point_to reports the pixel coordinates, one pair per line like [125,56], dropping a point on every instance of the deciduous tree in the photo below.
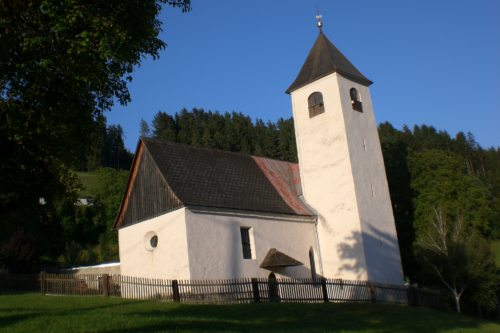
[62,64]
[453,254]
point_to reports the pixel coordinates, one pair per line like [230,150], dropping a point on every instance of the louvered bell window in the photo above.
[316,106]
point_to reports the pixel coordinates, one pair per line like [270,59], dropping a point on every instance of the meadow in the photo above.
[37,313]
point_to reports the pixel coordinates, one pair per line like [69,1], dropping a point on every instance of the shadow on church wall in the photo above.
[381,253]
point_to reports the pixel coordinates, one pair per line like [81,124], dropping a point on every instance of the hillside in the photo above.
[89,182]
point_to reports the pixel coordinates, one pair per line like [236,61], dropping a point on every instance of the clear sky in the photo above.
[434,62]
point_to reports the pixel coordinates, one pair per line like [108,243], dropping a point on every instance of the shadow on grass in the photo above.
[13,319]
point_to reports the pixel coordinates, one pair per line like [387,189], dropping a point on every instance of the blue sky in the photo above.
[434,62]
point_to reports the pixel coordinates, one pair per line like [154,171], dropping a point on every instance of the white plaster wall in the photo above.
[372,191]
[169,260]
[327,182]
[215,250]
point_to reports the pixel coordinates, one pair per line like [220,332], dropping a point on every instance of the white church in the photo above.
[195,213]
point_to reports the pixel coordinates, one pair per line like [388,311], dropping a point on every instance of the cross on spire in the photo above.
[319,17]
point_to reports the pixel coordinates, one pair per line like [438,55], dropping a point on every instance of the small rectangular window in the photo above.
[245,242]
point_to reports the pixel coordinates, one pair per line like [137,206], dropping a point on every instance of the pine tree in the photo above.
[144,130]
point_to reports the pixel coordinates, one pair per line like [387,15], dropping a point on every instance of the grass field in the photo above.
[89,181]
[36,313]
[495,245]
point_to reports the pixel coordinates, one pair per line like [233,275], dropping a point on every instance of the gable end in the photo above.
[148,194]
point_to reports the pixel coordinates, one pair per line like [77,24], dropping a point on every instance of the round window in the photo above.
[150,240]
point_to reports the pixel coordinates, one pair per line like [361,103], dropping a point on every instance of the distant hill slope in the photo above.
[89,182]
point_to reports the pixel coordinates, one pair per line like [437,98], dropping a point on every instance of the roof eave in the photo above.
[363,81]
[131,177]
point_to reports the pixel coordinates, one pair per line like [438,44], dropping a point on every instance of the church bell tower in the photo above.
[342,169]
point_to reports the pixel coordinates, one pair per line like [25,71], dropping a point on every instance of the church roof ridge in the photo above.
[323,59]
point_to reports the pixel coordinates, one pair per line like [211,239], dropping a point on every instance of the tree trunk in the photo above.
[457,301]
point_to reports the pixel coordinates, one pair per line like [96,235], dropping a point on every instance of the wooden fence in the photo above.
[253,290]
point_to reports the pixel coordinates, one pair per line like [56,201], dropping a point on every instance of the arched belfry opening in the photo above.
[356,100]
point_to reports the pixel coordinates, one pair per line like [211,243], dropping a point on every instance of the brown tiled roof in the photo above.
[215,178]
[275,258]
[323,59]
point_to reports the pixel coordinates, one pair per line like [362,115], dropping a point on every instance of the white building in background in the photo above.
[194,213]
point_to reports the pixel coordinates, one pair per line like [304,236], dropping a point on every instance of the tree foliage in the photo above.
[87,234]
[426,169]
[440,178]
[395,151]
[62,64]
[229,131]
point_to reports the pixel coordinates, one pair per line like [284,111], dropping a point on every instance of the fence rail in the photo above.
[253,290]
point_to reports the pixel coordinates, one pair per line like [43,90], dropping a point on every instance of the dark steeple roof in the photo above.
[323,59]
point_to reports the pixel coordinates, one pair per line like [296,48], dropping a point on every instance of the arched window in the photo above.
[315,103]
[313,264]
[356,100]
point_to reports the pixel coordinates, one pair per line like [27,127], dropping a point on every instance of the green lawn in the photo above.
[36,313]
[89,181]
[495,245]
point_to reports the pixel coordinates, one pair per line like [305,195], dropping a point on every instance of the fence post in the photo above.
[255,290]
[373,296]
[42,282]
[274,290]
[175,291]
[105,284]
[325,291]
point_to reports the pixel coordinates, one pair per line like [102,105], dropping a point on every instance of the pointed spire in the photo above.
[324,59]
